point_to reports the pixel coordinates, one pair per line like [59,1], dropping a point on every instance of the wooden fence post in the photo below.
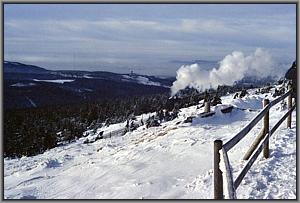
[266,128]
[207,106]
[260,136]
[289,118]
[254,145]
[218,179]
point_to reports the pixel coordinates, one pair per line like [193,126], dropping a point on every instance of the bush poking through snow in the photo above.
[240,94]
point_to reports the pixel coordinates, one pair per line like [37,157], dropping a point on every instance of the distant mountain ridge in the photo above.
[32,86]
[16,70]
[199,61]
[16,67]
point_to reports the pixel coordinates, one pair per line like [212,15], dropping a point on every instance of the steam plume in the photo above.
[233,67]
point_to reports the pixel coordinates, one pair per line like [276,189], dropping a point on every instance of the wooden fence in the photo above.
[260,144]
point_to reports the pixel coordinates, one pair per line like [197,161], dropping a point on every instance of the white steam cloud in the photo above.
[232,68]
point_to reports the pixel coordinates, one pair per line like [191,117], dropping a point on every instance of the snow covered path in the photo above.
[171,161]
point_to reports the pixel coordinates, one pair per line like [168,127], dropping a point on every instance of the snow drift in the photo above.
[233,67]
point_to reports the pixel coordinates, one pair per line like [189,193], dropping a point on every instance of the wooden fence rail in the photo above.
[260,144]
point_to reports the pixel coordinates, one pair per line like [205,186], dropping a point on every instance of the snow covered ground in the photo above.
[141,80]
[19,84]
[61,81]
[172,161]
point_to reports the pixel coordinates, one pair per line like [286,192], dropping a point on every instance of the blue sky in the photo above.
[145,38]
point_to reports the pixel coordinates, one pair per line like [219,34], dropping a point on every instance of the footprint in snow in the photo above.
[52,163]
[68,157]
[206,127]
[148,149]
[28,182]
[28,197]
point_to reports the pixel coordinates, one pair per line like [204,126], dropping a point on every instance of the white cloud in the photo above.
[240,27]
[155,39]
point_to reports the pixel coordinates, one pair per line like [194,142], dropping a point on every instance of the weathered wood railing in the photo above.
[265,135]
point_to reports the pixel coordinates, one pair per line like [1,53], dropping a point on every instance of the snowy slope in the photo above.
[171,161]
[54,81]
[141,80]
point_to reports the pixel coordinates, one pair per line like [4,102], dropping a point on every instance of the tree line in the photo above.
[32,131]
